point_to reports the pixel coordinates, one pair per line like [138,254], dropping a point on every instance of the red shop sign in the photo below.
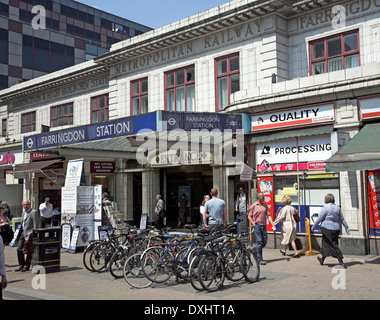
[102,167]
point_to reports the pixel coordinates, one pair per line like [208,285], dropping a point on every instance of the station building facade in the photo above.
[298,80]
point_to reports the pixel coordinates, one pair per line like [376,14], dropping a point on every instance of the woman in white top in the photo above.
[289,226]
[202,209]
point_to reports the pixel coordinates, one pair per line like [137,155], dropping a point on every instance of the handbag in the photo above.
[7,234]
[28,247]
[296,216]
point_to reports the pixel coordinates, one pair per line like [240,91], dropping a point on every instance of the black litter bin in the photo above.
[47,249]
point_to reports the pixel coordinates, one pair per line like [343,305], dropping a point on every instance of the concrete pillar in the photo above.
[150,189]
[124,194]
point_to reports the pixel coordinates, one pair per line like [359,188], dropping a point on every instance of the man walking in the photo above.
[29,222]
[217,210]
[46,211]
[160,211]
[257,216]
[241,204]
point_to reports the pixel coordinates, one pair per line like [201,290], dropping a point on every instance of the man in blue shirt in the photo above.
[217,210]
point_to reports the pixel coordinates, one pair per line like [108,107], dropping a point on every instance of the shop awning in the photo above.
[362,152]
[264,137]
[36,166]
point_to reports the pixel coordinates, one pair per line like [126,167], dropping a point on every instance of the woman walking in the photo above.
[289,226]
[332,219]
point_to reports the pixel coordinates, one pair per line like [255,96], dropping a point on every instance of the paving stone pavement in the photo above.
[282,278]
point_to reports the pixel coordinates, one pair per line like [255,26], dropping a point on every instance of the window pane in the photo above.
[180,77]
[135,106]
[190,99]
[190,75]
[57,62]
[101,102]
[234,64]
[180,99]
[53,113]
[170,100]
[27,57]
[41,60]
[102,116]
[144,104]
[335,64]
[144,86]
[319,68]
[222,66]
[3,52]
[170,79]
[351,42]
[135,88]
[222,93]
[71,120]
[94,104]
[352,61]
[319,50]
[95,117]
[334,47]
[71,108]
[54,123]
[234,85]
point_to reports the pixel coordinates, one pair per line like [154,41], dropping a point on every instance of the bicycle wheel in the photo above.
[87,254]
[232,264]
[250,266]
[157,265]
[193,272]
[117,263]
[133,273]
[211,272]
[100,257]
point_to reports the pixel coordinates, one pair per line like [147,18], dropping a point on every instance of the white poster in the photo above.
[246,172]
[69,201]
[74,173]
[97,210]
[86,231]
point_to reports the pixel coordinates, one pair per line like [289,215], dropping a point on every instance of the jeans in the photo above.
[261,240]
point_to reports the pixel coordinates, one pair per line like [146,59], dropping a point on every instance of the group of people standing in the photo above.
[331,219]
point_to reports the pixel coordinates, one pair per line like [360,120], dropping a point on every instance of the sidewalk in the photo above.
[283,277]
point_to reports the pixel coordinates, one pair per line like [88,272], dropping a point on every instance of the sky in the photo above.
[153,13]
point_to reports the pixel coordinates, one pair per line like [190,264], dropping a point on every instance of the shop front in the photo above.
[362,153]
[291,147]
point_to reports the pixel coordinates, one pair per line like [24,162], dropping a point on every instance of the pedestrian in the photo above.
[202,209]
[29,222]
[182,205]
[46,211]
[241,203]
[332,219]
[288,227]
[7,210]
[3,273]
[257,215]
[6,231]
[160,211]
[217,211]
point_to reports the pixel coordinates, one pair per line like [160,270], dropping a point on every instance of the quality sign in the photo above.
[293,118]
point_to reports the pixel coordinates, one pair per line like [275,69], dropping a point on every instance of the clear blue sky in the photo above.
[154,13]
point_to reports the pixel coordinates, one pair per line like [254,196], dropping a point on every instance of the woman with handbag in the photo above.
[332,219]
[289,226]
[6,231]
